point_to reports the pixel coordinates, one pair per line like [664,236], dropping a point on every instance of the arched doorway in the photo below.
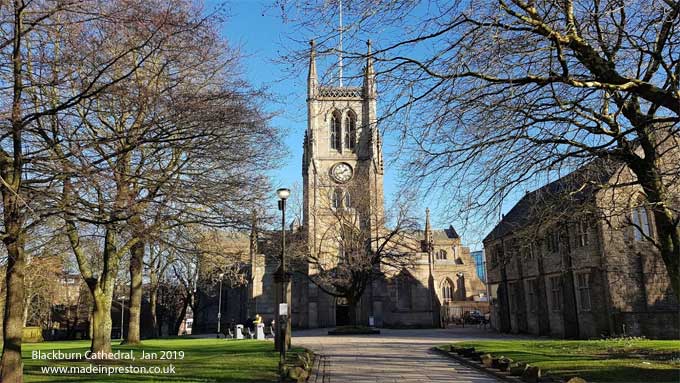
[341,312]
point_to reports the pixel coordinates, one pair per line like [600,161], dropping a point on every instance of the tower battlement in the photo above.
[336,92]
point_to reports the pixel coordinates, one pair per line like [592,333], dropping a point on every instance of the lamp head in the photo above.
[221,275]
[283,193]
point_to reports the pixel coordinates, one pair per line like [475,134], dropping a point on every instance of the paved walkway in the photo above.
[393,356]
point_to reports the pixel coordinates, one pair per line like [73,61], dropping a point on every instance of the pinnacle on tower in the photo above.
[427,240]
[312,81]
[253,233]
[369,74]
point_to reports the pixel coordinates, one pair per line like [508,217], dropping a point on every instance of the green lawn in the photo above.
[205,360]
[612,360]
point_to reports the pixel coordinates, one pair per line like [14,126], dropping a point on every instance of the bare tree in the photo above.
[159,261]
[354,245]
[490,98]
[179,142]
[54,56]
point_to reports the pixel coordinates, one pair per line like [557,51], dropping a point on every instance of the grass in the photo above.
[205,360]
[611,360]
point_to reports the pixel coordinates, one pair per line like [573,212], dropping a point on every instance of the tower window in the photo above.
[341,199]
[348,200]
[441,254]
[350,131]
[336,202]
[336,133]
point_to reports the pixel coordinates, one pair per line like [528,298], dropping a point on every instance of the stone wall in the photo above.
[628,286]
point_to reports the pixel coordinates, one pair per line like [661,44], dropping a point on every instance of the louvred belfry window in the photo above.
[350,131]
[336,133]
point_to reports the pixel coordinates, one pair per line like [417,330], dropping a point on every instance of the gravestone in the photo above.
[259,334]
[239,331]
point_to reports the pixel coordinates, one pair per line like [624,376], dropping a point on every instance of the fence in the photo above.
[462,312]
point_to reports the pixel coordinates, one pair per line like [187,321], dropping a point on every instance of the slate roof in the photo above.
[449,233]
[439,234]
[578,186]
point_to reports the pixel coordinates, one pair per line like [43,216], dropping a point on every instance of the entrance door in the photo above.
[341,313]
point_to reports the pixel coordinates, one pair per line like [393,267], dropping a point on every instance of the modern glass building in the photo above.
[480,262]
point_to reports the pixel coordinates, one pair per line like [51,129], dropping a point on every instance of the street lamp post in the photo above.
[283,194]
[219,308]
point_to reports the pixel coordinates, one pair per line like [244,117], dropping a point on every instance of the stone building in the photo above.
[445,275]
[572,260]
[342,171]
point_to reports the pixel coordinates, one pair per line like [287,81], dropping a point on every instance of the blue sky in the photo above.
[262,36]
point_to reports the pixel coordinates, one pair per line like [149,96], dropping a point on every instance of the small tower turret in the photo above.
[312,80]
[428,240]
[369,74]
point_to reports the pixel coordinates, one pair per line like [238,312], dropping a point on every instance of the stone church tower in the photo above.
[342,171]
[342,168]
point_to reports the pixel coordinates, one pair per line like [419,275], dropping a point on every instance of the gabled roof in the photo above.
[438,234]
[577,187]
[449,233]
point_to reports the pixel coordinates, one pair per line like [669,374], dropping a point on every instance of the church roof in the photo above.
[449,233]
[578,186]
[439,234]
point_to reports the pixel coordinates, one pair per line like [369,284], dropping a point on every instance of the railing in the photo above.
[464,312]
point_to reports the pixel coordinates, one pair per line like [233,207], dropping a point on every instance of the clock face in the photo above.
[341,172]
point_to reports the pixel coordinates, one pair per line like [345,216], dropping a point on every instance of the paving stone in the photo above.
[393,356]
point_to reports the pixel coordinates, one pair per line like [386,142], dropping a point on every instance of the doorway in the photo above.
[341,313]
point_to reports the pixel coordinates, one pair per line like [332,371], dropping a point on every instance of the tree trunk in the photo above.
[101,321]
[27,302]
[135,308]
[11,167]
[153,301]
[12,365]
[178,321]
[668,234]
[667,231]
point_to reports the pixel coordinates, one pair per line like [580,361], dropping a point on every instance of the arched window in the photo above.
[336,132]
[336,202]
[447,291]
[350,131]
[441,254]
[640,219]
[348,200]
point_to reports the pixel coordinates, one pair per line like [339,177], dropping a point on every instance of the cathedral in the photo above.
[342,171]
